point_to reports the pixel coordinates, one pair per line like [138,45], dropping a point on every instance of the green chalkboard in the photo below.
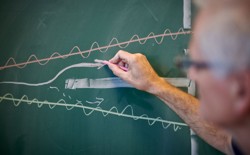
[54,99]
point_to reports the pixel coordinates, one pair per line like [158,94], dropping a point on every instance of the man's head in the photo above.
[222,40]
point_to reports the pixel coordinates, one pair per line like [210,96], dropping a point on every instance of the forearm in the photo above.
[187,107]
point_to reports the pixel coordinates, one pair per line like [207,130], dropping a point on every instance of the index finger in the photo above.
[120,56]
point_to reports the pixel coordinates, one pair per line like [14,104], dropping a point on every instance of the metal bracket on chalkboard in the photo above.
[187,14]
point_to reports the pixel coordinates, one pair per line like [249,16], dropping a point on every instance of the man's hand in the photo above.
[140,74]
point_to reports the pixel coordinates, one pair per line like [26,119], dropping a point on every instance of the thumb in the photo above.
[117,70]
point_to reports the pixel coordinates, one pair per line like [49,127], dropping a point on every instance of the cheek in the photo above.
[215,100]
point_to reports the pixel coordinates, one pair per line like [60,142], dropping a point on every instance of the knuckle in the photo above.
[120,51]
[138,56]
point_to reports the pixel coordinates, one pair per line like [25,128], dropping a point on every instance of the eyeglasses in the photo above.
[184,62]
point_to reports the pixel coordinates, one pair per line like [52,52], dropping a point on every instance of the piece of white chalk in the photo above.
[107,62]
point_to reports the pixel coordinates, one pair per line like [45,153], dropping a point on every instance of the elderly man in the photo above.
[220,65]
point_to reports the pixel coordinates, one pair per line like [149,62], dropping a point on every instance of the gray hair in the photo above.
[225,39]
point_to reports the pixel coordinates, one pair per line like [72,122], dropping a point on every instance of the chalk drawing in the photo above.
[54,88]
[98,102]
[127,112]
[11,62]
[58,74]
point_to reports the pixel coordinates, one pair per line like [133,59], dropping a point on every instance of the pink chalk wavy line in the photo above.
[11,62]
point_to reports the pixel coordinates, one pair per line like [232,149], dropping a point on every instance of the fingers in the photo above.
[120,56]
[121,63]
[140,73]
[117,71]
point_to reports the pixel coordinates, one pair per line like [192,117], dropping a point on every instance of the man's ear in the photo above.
[241,90]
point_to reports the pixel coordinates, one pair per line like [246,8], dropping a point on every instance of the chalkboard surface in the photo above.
[54,99]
